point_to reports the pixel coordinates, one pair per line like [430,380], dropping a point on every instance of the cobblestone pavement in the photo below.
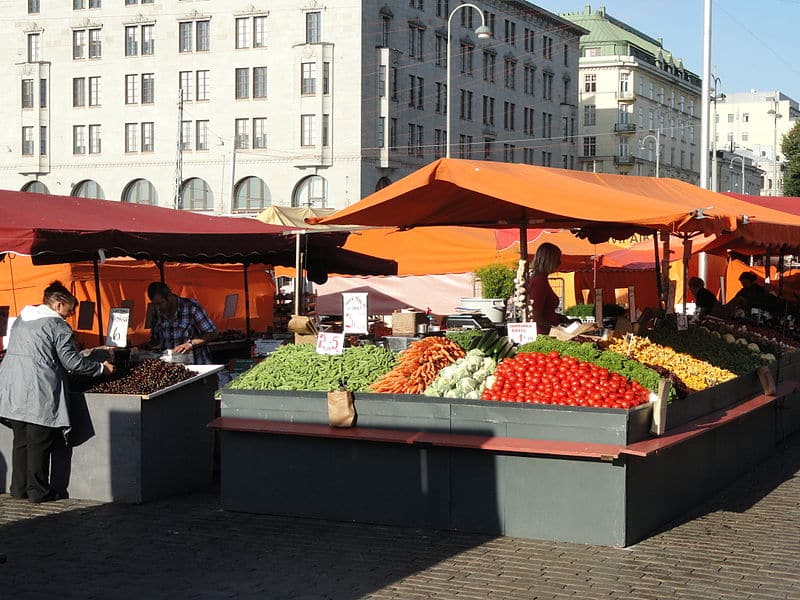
[745,543]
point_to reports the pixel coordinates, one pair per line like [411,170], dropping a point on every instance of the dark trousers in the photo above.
[30,475]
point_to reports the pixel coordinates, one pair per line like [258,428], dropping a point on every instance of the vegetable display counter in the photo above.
[134,448]
[570,473]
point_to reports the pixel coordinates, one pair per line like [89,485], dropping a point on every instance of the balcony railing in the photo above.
[627,96]
[627,159]
[625,127]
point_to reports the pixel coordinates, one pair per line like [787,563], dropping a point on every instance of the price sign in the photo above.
[330,343]
[354,312]
[522,333]
[117,334]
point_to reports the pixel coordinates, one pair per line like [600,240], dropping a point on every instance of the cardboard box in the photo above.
[405,323]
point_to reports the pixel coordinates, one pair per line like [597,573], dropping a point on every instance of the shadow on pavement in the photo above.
[189,548]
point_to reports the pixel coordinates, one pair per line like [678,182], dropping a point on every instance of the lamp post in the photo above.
[657,140]
[775,116]
[714,168]
[482,32]
[739,158]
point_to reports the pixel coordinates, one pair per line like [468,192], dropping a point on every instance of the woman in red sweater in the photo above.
[543,299]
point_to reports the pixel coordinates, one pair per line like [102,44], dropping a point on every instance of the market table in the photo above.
[134,448]
[576,474]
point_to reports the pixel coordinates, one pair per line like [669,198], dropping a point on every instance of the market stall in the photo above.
[560,442]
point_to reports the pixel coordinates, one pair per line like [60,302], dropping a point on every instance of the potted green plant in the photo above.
[497,286]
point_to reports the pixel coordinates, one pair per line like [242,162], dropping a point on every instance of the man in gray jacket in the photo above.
[33,388]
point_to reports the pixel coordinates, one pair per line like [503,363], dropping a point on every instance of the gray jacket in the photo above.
[33,374]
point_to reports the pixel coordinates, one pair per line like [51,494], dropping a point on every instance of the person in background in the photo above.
[705,301]
[34,388]
[541,296]
[180,324]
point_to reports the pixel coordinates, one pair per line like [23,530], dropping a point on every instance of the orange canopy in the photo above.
[493,194]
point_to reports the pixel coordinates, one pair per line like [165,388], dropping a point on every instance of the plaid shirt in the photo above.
[190,322]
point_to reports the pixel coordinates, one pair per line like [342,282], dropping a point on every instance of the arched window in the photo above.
[140,191]
[196,194]
[311,191]
[382,183]
[36,187]
[251,194]
[88,189]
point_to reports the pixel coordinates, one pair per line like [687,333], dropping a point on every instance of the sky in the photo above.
[753,43]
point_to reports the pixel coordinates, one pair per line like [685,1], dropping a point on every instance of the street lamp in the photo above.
[716,96]
[482,32]
[657,140]
[739,158]
[775,116]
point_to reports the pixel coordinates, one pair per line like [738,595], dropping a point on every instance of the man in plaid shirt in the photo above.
[180,324]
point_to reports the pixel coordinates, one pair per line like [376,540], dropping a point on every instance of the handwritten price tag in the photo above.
[522,333]
[117,334]
[330,343]
[354,312]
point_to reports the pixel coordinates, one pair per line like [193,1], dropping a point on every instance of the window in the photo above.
[467,51]
[95,3]
[308,84]
[95,44]
[415,37]
[547,47]
[416,92]
[510,73]
[79,44]
[439,141]
[393,83]
[194,36]
[148,137]
[196,194]
[201,135]
[465,146]
[79,139]
[393,134]
[489,60]
[386,27]
[259,82]
[566,55]
[27,93]
[42,140]
[34,42]
[33,6]
[488,111]
[590,83]
[326,130]
[89,189]
[380,132]
[186,135]
[624,82]
[131,137]
[242,135]
[140,191]
[509,108]
[528,72]
[313,27]
[528,39]
[27,141]
[185,85]
[131,89]
[443,8]
[311,191]
[243,32]
[508,152]
[564,128]
[440,50]
[242,83]
[547,86]
[590,146]
[202,79]
[326,78]
[95,140]
[148,88]
[510,33]
[467,18]
[94,91]
[260,132]
[79,91]
[411,146]
[528,118]
[441,92]
[251,194]
[259,31]
[547,125]
[466,105]
[78,4]
[488,148]
[307,130]
[131,40]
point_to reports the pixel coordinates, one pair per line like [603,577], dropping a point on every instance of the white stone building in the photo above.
[757,121]
[290,102]
[639,104]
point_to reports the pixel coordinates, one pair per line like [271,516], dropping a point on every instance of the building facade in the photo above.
[228,106]
[756,122]
[639,106]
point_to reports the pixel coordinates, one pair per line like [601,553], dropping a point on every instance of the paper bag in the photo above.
[341,409]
